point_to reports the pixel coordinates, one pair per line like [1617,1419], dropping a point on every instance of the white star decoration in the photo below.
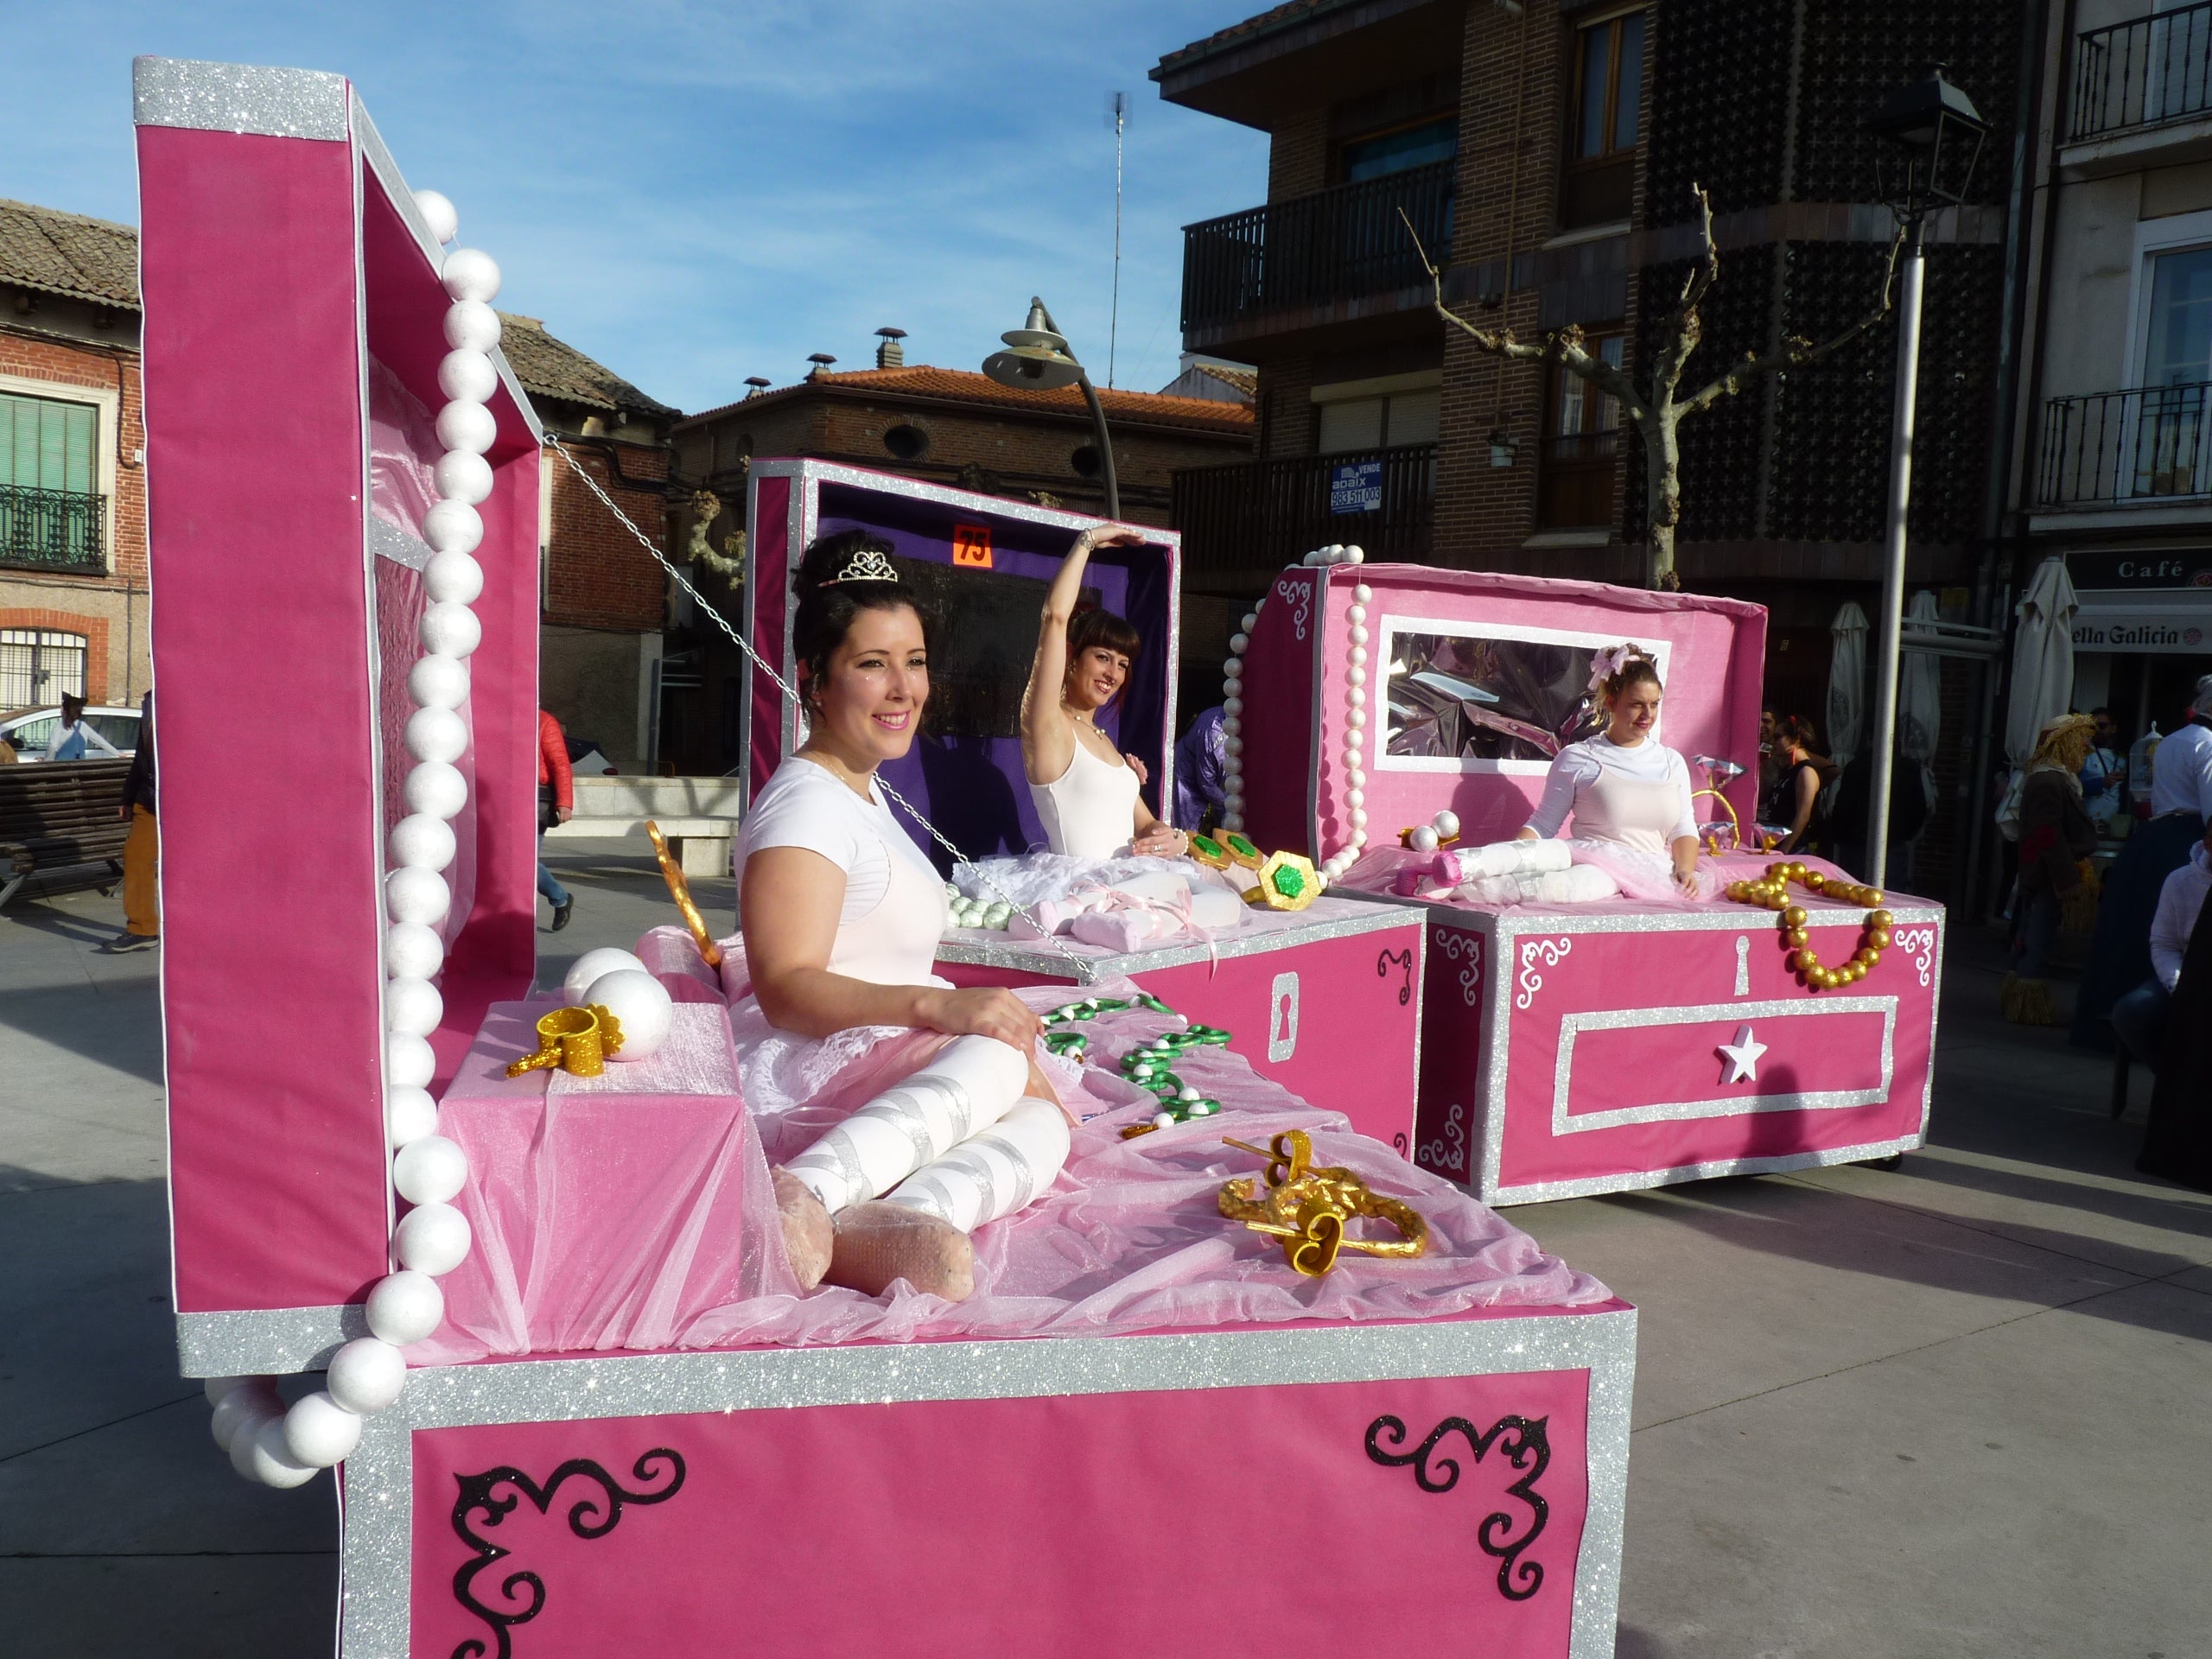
[1743,1056]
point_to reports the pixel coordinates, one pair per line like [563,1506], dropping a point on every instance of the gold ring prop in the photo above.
[577,1041]
[1311,1210]
[680,890]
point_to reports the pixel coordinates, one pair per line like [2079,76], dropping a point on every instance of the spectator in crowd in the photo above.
[2056,834]
[142,851]
[2178,1145]
[1849,816]
[2104,773]
[1789,801]
[556,802]
[2139,1018]
[74,739]
[1201,759]
[1770,751]
[2181,805]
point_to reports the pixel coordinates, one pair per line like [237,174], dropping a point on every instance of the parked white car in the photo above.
[30,730]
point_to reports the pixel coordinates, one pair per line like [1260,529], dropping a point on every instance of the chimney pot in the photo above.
[891,354]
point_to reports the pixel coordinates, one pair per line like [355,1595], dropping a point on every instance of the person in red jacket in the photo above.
[556,801]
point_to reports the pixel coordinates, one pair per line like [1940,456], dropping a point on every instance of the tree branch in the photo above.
[1685,328]
[1796,350]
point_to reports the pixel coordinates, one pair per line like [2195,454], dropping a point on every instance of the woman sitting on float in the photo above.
[841,917]
[1635,830]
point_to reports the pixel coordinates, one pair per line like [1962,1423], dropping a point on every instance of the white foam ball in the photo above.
[405,1306]
[409,1114]
[1355,798]
[1359,664]
[471,274]
[1355,718]
[214,1388]
[1240,643]
[270,1460]
[437,682]
[435,206]
[461,476]
[465,375]
[473,324]
[435,788]
[409,1062]
[1232,706]
[1362,593]
[1233,820]
[430,1170]
[366,1375]
[452,577]
[1231,725]
[454,527]
[413,1006]
[1446,822]
[1251,617]
[319,1432]
[1357,820]
[1233,745]
[412,950]
[450,630]
[467,426]
[436,734]
[422,843]
[595,964]
[1359,635]
[1314,557]
[414,895]
[432,1238]
[1356,697]
[1355,556]
[1424,839]
[243,1408]
[646,1010]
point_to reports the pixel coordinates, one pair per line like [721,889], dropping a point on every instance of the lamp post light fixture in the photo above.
[1037,359]
[1931,137]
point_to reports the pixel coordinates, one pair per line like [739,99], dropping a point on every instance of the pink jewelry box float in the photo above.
[1568,1050]
[1461,1459]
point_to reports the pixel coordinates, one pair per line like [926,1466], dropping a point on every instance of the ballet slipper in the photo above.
[809,1233]
[878,1243]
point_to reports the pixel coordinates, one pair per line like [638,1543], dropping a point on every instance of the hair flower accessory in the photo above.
[1609,661]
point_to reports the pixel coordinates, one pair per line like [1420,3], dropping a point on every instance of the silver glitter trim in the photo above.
[388,541]
[377,1545]
[264,1342]
[1637,1179]
[1717,919]
[1325,919]
[1810,1100]
[238,97]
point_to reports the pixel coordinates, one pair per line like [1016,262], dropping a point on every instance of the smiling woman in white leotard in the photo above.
[1085,792]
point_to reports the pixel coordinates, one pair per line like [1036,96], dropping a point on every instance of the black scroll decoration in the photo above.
[591,1516]
[1401,959]
[1521,1442]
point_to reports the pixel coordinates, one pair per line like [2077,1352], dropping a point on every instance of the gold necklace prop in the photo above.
[680,890]
[577,1041]
[1772,892]
[1309,1208]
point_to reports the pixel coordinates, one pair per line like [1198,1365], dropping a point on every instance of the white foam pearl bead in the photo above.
[412,950]
[1355,556]
[596,963]
[436,734]
[450,630]
[1231,724]
[452,578]
[1359,634]
[468,427]
[413,1006]
[1446,822]
[1362,593]
[1233,820]
[404,1307]
[1357,820]
[1359,654]
[432,1238]
[646,1010]
[268,1459]
[244,1407]
[438,682]
[472,324]
[1251,619]
[422,843]
[1355,778]
[408,1061]
[452,527]
[470,274]
[366,1375]
[319,1432]
[1355,675]
[435,788]
[1355,718]
[409,1114]
[1424,839]
[461,476]
[413,895]
[430,1170]
[215,1390]
[1233,669]
[438,209]
[1355,798]
[1356,697]
[466,376]
[1356,614]
[1240,643]
[1232,706]
[1313,558]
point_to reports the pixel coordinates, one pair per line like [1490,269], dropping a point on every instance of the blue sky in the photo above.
[697,193]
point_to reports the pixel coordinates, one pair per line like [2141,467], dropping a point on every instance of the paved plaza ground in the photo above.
[1961,1408]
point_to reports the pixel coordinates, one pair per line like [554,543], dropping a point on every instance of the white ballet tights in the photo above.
[959,1128]
[1529,872]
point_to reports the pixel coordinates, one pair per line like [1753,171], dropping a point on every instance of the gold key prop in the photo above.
[680,890]
[1310,1210]
[578,1041]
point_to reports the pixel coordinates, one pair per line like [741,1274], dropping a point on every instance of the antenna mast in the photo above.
[1118,112]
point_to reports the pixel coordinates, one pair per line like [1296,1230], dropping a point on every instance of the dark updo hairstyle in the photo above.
[1798,730]
[1101,628]
[828,604]
[1636,669]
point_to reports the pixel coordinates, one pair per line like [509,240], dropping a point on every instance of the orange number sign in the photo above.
[971,546]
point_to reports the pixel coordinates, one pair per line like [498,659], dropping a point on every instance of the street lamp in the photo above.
[1932,136]
[1037,360]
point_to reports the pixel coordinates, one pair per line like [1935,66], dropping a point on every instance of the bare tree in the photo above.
[1656,409]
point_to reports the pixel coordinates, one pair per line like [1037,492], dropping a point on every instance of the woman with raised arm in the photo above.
[1086,792]
[842,917]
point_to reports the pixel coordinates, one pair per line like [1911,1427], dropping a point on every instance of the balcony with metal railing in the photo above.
[1302,259]
[52,530]
[2150,72]
[2145,446]
[1243,524]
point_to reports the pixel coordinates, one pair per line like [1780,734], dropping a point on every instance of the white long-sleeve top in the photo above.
[1579,764]
[2181,772]
[2180,901]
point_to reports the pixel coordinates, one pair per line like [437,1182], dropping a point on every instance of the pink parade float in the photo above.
[1596,1044]
[507,1256]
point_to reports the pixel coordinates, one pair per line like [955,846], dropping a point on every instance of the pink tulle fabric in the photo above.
[635,1222]
[1377,869]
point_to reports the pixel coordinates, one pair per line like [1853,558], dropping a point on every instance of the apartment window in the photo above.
[1389,421]
[1607,113]
[48,444]
[38,666]
[2165,429]
[1394,152]
[1581,447]
[2177,343]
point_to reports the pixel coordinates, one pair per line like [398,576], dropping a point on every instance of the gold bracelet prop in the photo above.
[680,890]
[577,1041]
[1771,892]
[1310,1210]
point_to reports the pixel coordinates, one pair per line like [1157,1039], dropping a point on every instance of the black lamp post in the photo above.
[1037,359]
[1932,136]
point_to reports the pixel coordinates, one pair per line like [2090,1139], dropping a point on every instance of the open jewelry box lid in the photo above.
[981,564]
[1472,682]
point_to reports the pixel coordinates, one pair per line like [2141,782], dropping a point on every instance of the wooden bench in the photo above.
[61,817]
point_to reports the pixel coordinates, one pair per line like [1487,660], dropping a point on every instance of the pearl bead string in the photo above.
[267,1442]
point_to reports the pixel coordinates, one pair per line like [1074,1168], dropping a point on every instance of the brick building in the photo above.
[73,481]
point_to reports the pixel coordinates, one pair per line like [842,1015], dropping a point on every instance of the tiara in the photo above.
[868,565]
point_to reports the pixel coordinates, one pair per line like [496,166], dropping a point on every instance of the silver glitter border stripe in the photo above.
[376,1548]
[264,1342]
[238,97]
[1352,922]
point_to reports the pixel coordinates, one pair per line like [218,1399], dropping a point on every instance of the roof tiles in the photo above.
[966,386]
[66,254]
